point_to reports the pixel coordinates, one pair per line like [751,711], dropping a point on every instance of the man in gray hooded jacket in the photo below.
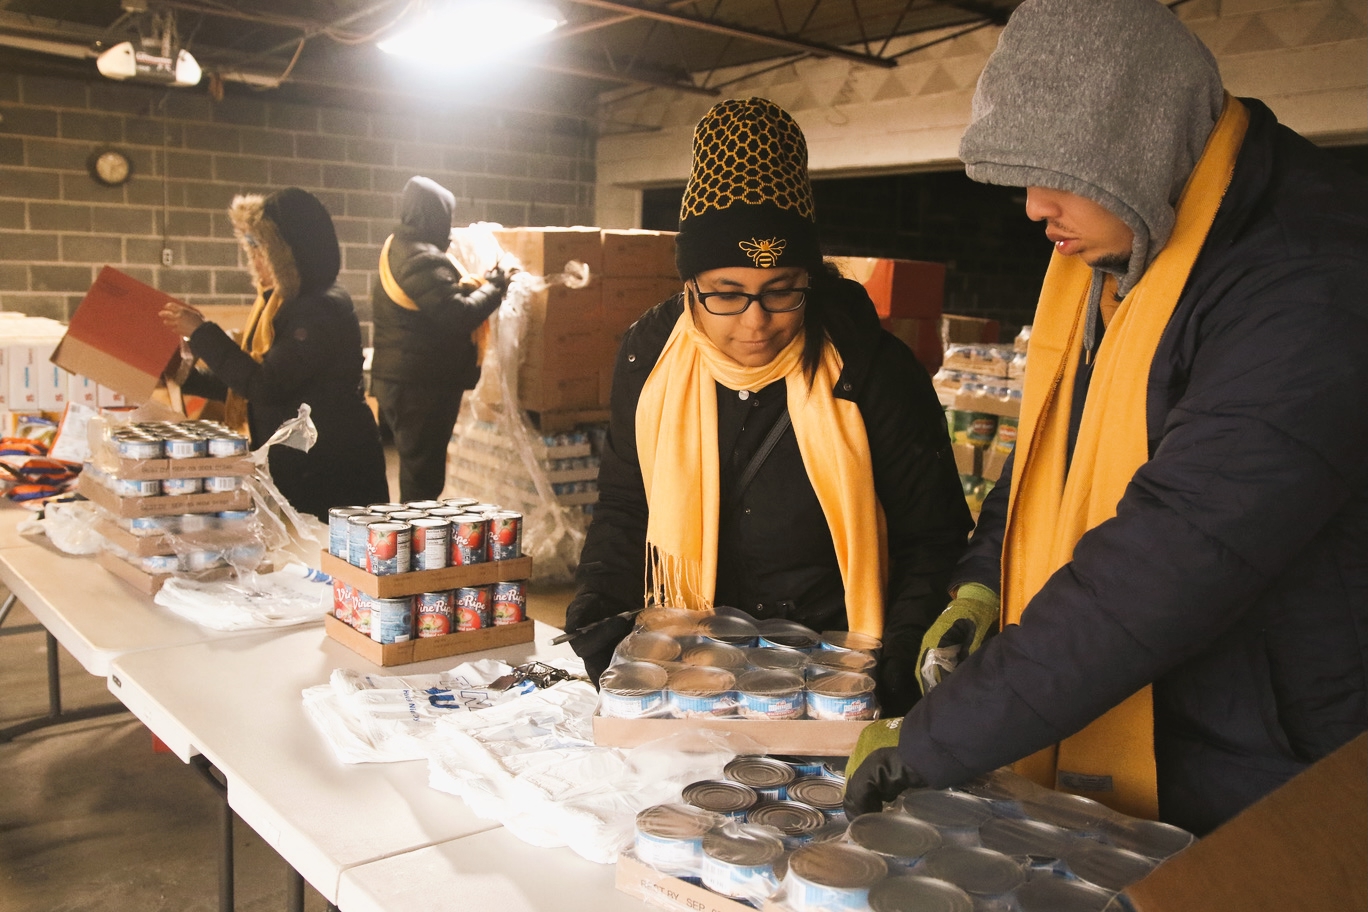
[424,317]
[1228,576]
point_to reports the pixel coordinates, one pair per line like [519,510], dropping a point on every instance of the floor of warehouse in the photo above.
[93,818]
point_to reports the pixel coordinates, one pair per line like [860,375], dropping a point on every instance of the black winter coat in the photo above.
[1235,573]
[430,346]
[776,557]
[314,358]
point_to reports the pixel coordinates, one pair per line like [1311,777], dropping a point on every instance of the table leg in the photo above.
[206,770]
[55,715]
[294,890]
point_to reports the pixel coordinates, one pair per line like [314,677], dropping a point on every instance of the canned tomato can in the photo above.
[473,609]
[459,503]
[423,505]
[185,447]
[385,509]
[436,613]
[795,820]
[766,694]
[721,796]
[129,487]
[468,534]
[391,619]
[431,543]
[505,535]
[226,445]
[483,509]
[345,603]
[509,602]
[702,691]
[826,795]
[841,696]
[406,515]
[357,537]
[832,877]
[222,484]
[364,603]
[631,690]
[739,862]
[669,837]
[899,840]
[173,487]
[337,529]
[388,547]
[767,776]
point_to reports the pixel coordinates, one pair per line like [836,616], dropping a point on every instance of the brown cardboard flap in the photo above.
[401,584]
[425,648]
[1303,848]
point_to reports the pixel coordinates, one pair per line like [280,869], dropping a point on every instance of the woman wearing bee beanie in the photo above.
[771,448]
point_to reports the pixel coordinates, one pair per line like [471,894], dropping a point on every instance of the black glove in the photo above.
[875,772]
[896,677]
[497,277]
[601,632]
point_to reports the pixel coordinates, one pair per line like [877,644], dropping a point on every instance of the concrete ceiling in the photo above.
[324,50]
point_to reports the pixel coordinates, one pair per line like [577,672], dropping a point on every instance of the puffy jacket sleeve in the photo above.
[1262,448]
[430,279]
[982,561]
[917,484]
[299,353]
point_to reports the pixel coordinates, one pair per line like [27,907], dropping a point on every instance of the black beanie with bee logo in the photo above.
[749,200]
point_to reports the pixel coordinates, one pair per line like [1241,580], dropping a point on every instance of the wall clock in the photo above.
[109,166]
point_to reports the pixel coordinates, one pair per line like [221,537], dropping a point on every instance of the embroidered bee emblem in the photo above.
[763,253]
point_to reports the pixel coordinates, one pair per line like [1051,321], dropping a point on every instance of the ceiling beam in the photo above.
[719,28]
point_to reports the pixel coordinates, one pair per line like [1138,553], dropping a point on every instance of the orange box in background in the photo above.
[920,334]
[955,328]
[898,288]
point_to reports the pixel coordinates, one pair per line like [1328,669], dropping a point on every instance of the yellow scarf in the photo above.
[676,432]
[257,336]
[396,294]
[1050,511]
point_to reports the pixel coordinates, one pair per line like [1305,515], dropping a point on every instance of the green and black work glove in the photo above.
[875,773]
[959,631]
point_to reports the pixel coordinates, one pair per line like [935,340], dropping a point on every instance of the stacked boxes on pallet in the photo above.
[908,296]
[172,499]
[486,457]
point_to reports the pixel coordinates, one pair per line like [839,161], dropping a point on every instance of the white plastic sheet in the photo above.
[286,598]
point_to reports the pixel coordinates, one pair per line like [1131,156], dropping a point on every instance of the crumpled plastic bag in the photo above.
[286,598]
[69,525]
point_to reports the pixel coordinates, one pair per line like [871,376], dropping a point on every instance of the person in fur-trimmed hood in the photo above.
[301,344]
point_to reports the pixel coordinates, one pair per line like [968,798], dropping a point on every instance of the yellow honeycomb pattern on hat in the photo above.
[748,152]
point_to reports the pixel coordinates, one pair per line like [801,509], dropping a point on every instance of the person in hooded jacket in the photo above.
[428,313]
[1177,551]
[771,448]
[301,344]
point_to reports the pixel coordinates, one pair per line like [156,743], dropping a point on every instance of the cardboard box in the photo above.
[109,398]
[129,507]
[807,737]
[626,298]
[401,584]
[151,583]
[645,883]
[24,364]
[137,545]
[83,391]
[116,337]
[420,649]
[1302,848]
[898,288]
[639,252]
[988,405]
[955,328]
[545,251]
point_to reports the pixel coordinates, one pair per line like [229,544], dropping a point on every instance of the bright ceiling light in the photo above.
[455,32]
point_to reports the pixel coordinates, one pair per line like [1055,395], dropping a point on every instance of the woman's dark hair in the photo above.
[834,310]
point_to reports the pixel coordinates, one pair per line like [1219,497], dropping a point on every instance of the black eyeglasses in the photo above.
[731,303]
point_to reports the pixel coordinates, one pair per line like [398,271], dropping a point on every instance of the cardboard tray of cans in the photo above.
[645,883]
[162,505]
[193,467]
[420,649]
[151,583]
[417,581]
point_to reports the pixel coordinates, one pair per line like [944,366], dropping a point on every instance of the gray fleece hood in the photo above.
[1112,100]
[425,209]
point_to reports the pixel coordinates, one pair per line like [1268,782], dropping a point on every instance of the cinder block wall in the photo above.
[190,155]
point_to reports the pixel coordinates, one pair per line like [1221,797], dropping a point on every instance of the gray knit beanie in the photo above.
[1110,99]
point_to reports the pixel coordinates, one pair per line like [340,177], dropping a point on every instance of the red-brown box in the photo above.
[898,288]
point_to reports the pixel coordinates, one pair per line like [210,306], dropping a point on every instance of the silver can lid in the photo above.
[841,660]
[720,796]
[744,846]
[675,821]
[1012,836]
[759,772]
[832,864]
[918,894]
[719,655]
[849,639]
[940,808]
[777,658]
[1055,894]
[894,835]
[978,872]
[1107,866]
[633,679]
[821,792]
[701,681]
[841,684]
[788,817]
[649,647]
[769,682]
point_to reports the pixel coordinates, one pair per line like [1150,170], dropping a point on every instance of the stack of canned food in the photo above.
[393,538]
[678,664]
[1000,844]
[166,440]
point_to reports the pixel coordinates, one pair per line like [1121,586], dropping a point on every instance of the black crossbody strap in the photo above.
[766,447]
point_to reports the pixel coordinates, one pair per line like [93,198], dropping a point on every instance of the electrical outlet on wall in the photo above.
[167,256]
